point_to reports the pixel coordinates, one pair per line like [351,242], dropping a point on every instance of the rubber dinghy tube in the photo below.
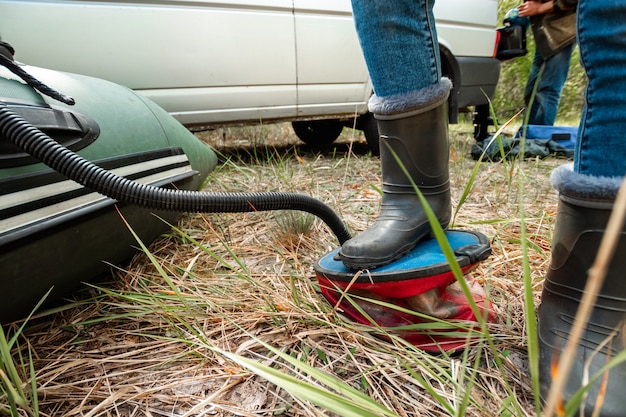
[30,139]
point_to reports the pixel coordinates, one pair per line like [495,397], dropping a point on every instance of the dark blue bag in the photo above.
[564,136]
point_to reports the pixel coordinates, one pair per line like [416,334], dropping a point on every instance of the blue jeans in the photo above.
[545,104]
[399,42]
[601,147]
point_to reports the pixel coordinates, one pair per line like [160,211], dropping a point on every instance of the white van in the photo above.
[219,62]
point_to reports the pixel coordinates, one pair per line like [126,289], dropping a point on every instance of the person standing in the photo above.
[553,23]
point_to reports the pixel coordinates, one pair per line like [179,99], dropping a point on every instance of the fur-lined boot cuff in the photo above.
[413,102]
[583,189]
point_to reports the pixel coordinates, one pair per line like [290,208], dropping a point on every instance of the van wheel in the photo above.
[367,123]
[317,132]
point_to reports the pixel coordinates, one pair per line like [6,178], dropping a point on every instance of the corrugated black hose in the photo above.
[30,139]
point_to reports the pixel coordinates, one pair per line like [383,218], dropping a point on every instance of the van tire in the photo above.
[367,123]
[317,132]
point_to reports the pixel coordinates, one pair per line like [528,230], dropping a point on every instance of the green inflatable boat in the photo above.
[54,232]
[80,156]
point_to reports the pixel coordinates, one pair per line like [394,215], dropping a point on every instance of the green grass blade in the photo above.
[33,382]
[351,403]
[162,272]
[472,178]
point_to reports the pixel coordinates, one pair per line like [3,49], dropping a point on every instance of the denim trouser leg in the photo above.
[399,42]
[545,103]
[601,148]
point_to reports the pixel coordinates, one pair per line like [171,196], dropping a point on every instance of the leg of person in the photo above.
[400,46]
[532,104]
[587,192]
[545,103]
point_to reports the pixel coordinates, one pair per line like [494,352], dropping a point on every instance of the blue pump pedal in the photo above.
[421,281]
[425,260]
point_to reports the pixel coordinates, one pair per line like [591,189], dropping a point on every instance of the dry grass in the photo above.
[140,345]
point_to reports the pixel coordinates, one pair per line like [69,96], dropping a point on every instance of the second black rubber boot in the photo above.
[420,140]
[582,216]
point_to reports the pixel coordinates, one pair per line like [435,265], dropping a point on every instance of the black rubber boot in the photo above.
[420,140]
[580,225]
